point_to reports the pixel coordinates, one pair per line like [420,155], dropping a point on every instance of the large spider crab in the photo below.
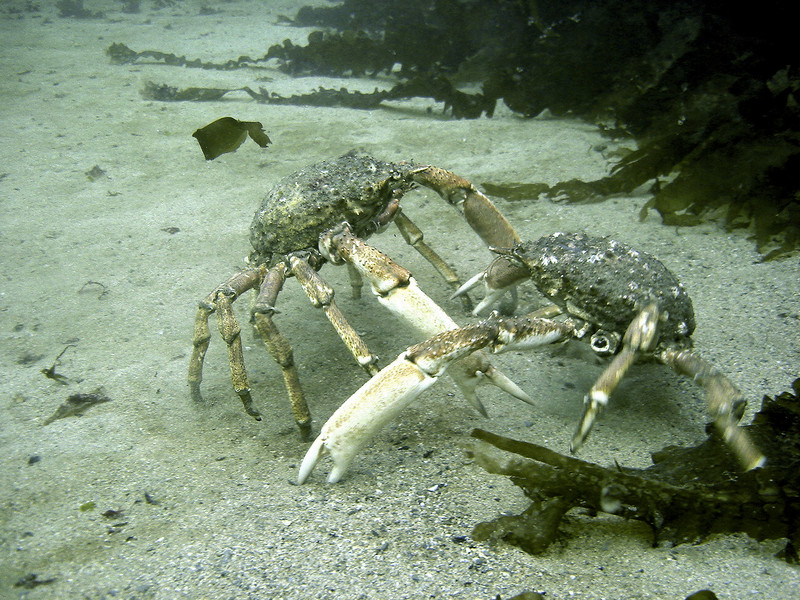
[625,302]
[322,214]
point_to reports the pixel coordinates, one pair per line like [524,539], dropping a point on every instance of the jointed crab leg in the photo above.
[220,300]
[379,400]
[321,296]
[414,237]
[725,402]
[723,398]
[480,212]
[489,223]
[270,282]
[501,275]
[279,347]
[639,337]
[396,289]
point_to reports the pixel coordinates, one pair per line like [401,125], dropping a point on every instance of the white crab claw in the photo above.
[491,295]
[357,421]
[471,283]
[381,398]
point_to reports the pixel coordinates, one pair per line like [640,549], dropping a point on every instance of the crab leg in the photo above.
[724,402]
[396,289]
[480,212]
[381,398]
[278,346]
[639,337]
[723,398]
[415,238]
[489,223]
[500,276]
[321,296]
[220,300]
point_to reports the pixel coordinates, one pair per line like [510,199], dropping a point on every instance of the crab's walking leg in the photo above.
[414,237]
[321,296]
[396,289]
[639,337]
[482,215]
[725,402]
[220,300]
[279,347]
[380,399]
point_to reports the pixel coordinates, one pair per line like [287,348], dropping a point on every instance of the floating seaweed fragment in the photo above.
[227,134]
[77,404]
[50,372]
[75,8]
[31,581]
[686,495]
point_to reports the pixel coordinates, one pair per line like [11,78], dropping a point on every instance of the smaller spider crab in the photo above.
[322,214]
[625,302]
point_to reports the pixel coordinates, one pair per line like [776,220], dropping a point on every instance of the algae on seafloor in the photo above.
[685,496]
[77,404]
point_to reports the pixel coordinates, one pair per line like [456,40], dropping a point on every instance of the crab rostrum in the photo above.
[626,303]
[322,214]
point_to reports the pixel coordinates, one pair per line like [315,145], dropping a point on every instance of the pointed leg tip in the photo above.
[507,385]
[304,427]
[194,392]
[310,460]
[578,440]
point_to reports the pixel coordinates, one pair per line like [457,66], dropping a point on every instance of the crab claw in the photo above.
[472,370]
[500,276]
[382,398]
[365,413]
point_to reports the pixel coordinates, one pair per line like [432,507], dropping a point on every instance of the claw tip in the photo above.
[310,460]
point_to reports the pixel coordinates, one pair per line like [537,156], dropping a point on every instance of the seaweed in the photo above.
[50,372]
[77,404]
[685,496]
[439,89]
[31,581]
[331,53]
[709,91]
[327,53]
[75,8]
[227,134]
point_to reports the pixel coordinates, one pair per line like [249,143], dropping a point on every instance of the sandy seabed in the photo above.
[206,494]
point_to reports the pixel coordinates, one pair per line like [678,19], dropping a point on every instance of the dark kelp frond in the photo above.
[709,91]
[685,496]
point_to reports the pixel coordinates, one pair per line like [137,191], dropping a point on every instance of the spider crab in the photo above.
[322,214]
[626,303]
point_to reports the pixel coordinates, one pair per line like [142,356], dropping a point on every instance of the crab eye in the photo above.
[604,343]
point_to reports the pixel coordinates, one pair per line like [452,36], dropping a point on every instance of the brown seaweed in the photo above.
[709,91]
[77,404]
[120,54]
[31,581]
[685,496]
[50,372]
[462,104]
[227,134]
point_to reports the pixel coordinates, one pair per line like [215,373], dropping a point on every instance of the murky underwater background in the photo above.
[151,496]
